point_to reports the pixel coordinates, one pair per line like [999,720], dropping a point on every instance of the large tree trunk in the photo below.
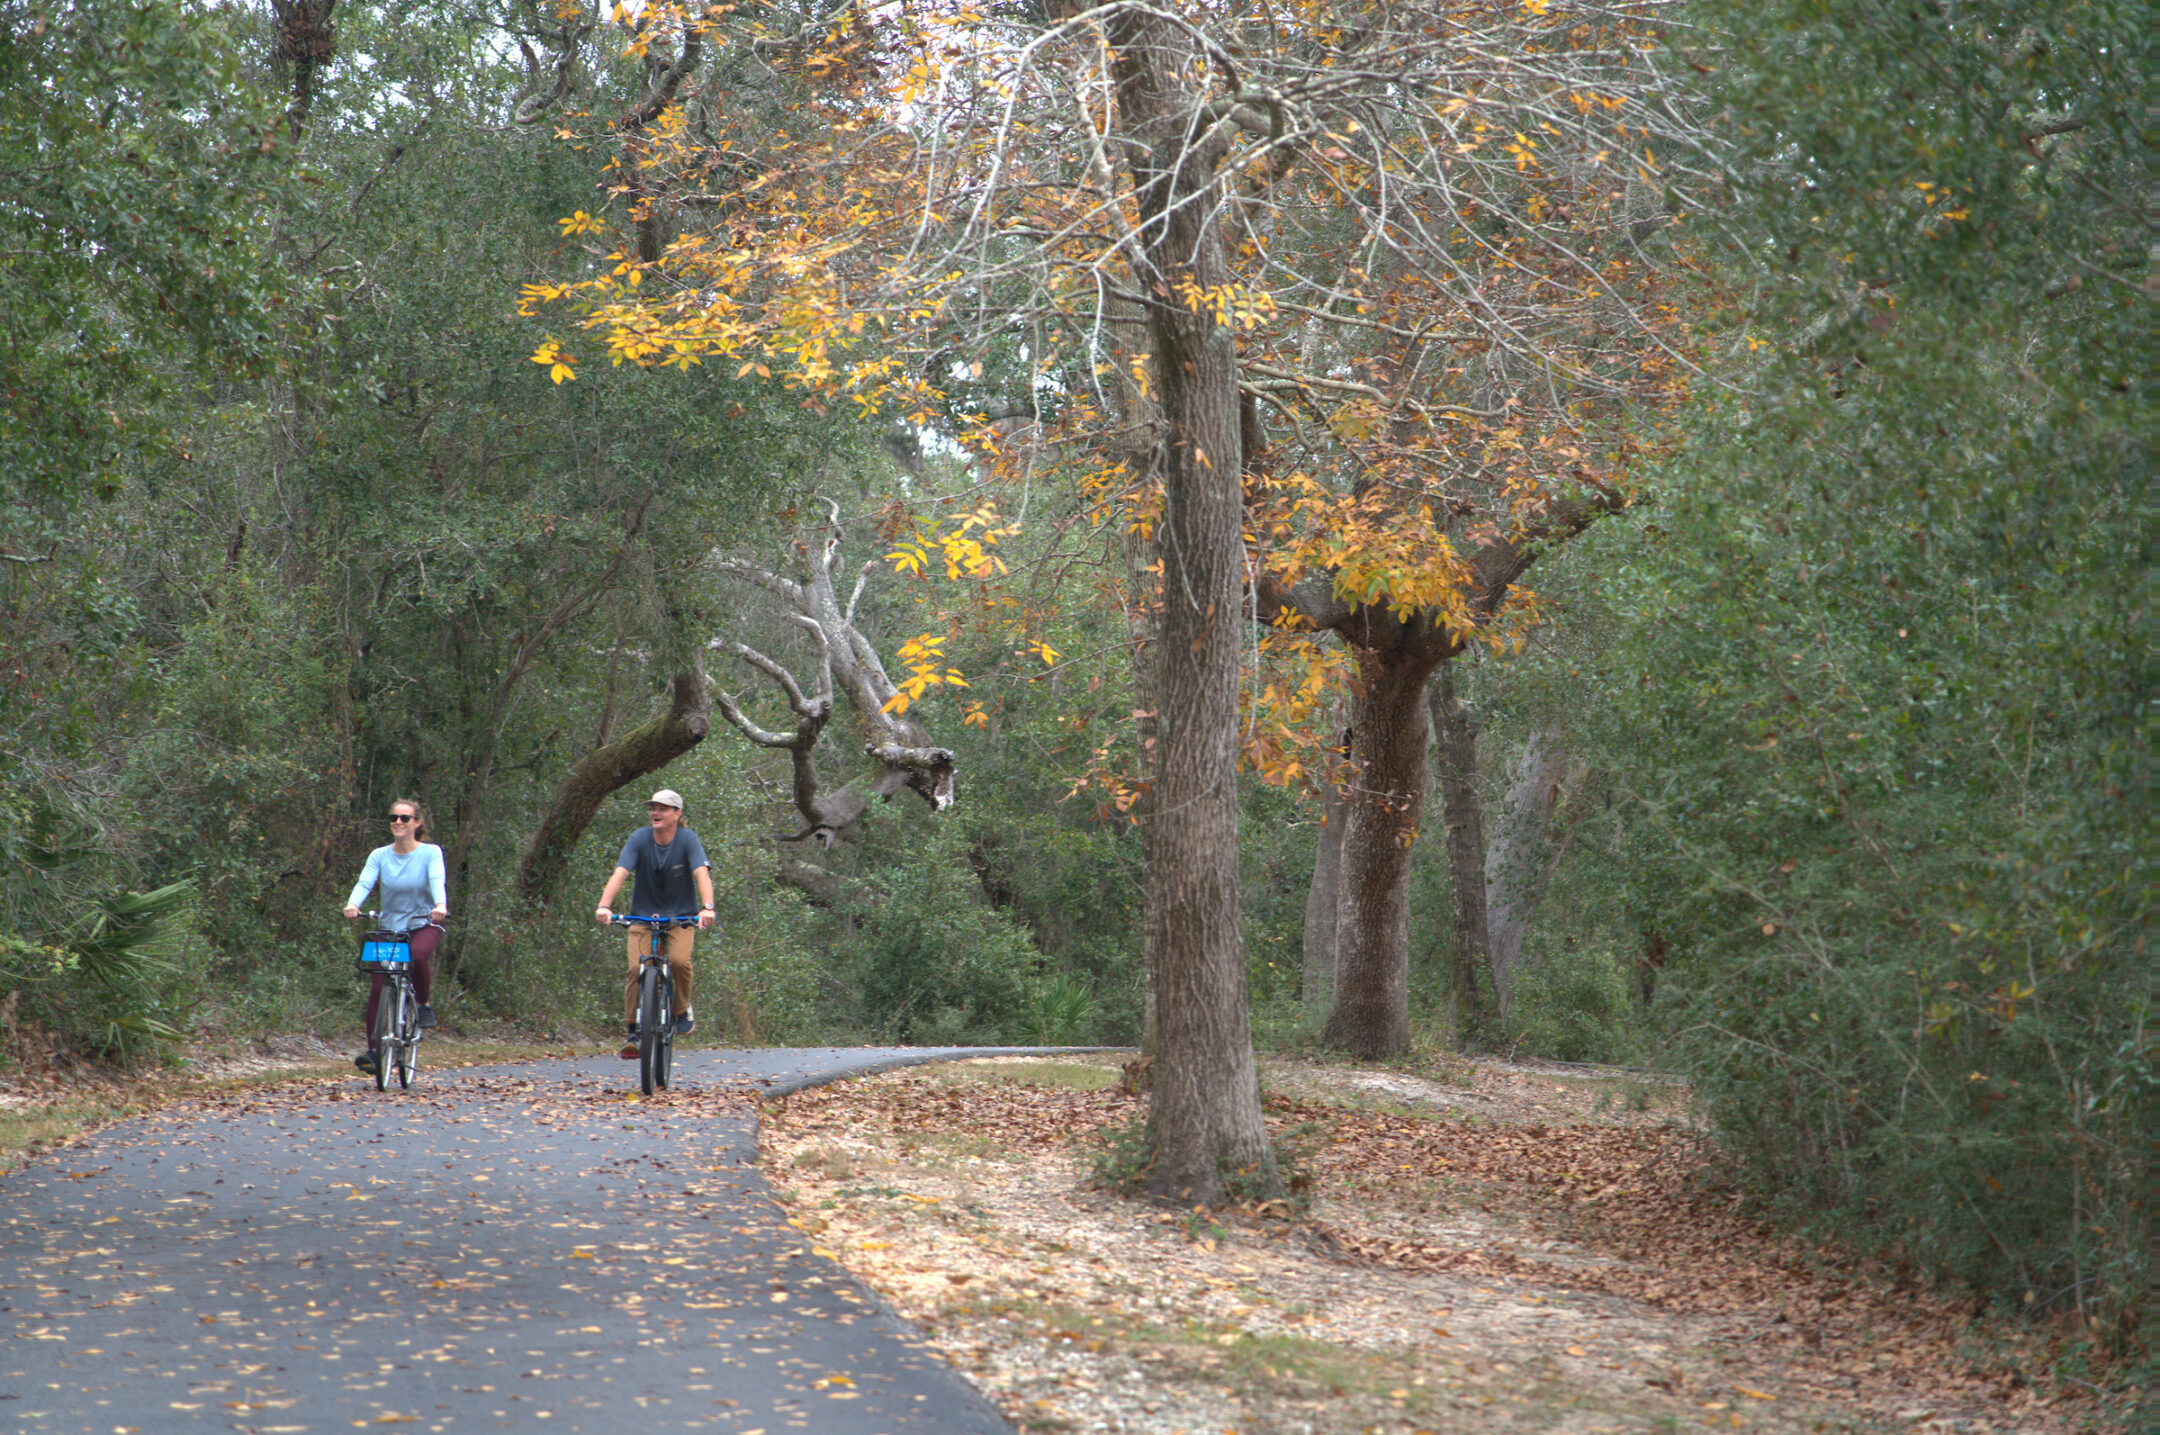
[1204,1121]
[1141,621]
[1371,1017]
[1321,898]
[1466,855]
[305,43]
[645,748]
[1521,858]
[1395,655]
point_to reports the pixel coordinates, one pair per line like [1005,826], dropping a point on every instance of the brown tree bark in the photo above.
[1466,856]
[1371,1015]
[1144,645]
[646,748]
[1204,1120]
[1520,858]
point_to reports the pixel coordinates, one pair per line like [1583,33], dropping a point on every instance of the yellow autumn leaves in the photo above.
[964,551]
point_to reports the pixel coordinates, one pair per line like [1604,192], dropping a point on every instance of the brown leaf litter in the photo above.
[1510,1249]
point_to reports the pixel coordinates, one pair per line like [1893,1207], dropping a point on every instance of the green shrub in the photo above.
[1061,1013]
[932,962]
[1577,1004]
[1874,696]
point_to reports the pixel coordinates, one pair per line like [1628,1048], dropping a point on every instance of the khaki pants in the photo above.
[677,941]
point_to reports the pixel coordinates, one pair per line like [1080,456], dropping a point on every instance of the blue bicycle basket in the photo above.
[385,951]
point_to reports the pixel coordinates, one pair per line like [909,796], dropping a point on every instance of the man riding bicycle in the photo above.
[672,878]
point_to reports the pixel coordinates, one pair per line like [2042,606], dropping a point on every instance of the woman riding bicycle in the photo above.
[407,878]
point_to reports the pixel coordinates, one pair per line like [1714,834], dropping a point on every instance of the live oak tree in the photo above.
[1374,266]
[139,166]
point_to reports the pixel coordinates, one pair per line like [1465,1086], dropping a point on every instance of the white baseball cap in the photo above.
[666,797]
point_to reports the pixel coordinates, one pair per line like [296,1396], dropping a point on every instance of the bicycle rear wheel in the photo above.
[649,1046]
[385,1043]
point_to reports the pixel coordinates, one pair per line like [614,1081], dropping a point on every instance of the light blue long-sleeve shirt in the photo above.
[407,885]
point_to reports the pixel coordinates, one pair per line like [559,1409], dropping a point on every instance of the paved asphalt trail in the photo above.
[517,1247]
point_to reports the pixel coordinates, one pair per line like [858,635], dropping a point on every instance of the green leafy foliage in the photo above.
[138,166]
[1874,688]
[141,175]
[932,962]
[116,977]
[1575,1004]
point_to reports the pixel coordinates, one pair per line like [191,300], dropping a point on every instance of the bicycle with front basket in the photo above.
[397,1032]
[656,1002]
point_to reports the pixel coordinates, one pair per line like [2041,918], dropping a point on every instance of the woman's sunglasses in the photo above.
[403,817]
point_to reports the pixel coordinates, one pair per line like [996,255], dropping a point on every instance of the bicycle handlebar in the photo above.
[619,920]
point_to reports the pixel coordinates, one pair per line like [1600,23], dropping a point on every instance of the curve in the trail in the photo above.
[521,1247]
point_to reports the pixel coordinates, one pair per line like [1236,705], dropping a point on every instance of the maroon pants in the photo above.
[423,976]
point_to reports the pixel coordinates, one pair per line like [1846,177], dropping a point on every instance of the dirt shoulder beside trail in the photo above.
[55,1105]
[1507,1248]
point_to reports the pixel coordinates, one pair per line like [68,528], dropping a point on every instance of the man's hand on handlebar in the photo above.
[604,916]
[705,919]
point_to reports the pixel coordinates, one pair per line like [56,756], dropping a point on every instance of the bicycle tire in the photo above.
[408,1035]
[384,1042]
[649,1010]
[664,1058]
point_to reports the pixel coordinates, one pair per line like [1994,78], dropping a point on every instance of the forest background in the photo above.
[1814,773]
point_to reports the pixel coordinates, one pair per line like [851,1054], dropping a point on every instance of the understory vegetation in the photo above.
[1834,741]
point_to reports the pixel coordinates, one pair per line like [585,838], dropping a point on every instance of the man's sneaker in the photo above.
[366,1062]
[685,1023]
[427,1016]
[629,1053]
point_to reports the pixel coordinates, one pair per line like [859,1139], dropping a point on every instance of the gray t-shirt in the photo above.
[663,885]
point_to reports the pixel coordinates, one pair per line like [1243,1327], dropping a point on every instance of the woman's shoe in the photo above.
[366,1061]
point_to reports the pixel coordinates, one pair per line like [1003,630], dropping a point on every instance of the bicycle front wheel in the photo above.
[408,1036]
[650,1049]
[385,1042]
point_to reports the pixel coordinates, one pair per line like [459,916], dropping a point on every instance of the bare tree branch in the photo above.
[848,665]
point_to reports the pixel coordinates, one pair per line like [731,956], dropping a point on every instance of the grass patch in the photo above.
[950,1146]
[1273,1370]
[30,1131]
[1051,1075]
